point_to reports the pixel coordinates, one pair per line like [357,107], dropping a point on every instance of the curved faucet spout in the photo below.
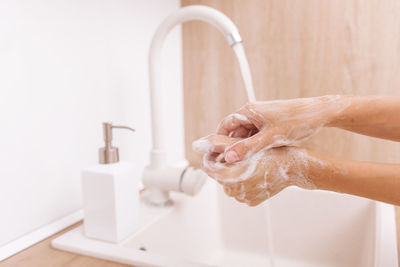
[203,13]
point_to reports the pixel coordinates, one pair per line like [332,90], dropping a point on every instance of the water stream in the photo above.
[248,83]
[245,69]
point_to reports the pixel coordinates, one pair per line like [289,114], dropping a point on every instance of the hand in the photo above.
[262,175]
[214,143]
[278,123]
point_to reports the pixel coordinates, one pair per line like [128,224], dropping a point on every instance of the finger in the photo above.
[222,172]
[213,168]
[232,189]
[241,199]
[255,202]
[228,191]
[221,158]
[209,162]
[213,143]
[233,122]
[220,142]
[240,132]
[255,143]
[252,132]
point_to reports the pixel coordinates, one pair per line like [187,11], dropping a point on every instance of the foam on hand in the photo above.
[202,145]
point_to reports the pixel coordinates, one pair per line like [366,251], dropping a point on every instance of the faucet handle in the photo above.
[109,154]
[192,181]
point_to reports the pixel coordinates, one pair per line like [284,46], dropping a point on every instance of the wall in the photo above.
[66,66]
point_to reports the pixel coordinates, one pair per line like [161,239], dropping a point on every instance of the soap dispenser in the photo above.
[110,194]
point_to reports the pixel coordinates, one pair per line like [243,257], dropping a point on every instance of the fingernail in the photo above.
[231,156]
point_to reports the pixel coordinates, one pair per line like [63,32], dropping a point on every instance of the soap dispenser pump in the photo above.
[109,154]
[110,194]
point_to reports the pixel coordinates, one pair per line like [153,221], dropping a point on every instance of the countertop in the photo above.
[43,255]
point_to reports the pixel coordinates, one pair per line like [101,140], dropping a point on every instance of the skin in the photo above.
[276,169]
[268,133]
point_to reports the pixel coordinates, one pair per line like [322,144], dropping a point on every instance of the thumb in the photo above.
[213,143]
[239,150]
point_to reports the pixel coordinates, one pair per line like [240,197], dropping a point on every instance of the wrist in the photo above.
[310,170]
[321,170]
[336,109]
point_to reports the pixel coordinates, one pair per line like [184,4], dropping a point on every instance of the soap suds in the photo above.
[293,121]
[283,172]
[271,163]
[202,145]
[288,167]
[239,117]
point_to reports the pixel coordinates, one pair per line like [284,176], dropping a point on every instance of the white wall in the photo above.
[66,66]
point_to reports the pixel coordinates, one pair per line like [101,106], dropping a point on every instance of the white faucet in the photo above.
[158,177]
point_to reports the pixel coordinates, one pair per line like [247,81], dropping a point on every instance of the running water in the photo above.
[248,83]
[245,69]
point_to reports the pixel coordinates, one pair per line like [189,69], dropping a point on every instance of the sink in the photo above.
[309,228]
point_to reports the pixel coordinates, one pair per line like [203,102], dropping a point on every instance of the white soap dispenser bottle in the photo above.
[110,194]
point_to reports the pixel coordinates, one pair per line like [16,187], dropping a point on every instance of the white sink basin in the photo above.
[310,228]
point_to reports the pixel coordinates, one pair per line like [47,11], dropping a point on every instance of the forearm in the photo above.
[370,115]
[376,181]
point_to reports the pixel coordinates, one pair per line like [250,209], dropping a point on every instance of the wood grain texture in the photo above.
[295,49]
[43,255]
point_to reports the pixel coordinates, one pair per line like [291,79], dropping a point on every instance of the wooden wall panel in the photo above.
[295,49]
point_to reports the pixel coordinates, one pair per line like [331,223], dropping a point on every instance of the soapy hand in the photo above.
[262,135]
[252,155]
[270,124]
[260,176]
[267,173]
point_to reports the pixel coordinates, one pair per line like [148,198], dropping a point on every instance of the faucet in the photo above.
[159,178]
